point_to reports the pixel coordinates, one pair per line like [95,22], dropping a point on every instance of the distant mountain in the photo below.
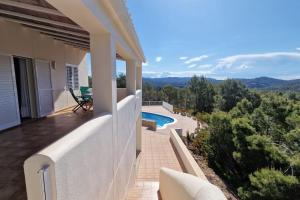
[174,81]
[263,83]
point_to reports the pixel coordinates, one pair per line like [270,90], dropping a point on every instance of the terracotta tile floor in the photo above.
[157,152]
[145,191]
[19,143]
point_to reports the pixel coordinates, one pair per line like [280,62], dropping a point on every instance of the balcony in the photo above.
[63,129]
[18,144]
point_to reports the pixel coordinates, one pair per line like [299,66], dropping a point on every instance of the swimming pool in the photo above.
[161,120]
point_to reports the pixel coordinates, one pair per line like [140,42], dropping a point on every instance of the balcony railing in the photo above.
[91,162]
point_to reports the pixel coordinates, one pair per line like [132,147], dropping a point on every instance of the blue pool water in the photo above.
[161,120]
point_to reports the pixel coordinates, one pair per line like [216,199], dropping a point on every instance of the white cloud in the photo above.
[289,77]
[153,74]
[183,58]
[243,60]
[298,48]
[145,64]
[205,66]
[243,66]
[158,59]
[192,66]
[196,59]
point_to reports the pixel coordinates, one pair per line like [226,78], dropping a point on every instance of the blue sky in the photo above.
[219,38]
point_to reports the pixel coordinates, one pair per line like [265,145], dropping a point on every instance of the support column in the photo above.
[103,56]
[139,78]
[131,77]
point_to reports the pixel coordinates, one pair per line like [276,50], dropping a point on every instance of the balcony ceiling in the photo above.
[44,18]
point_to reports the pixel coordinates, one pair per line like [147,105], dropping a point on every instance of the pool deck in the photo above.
[157,151]
[183,122]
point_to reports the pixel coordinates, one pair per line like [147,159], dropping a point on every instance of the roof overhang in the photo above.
[104,16]
[40,16]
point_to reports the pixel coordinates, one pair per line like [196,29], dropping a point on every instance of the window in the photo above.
[72,77]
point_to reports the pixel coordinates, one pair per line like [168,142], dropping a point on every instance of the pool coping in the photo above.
[165,125]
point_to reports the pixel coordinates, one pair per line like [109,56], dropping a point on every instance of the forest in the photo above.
[252,139]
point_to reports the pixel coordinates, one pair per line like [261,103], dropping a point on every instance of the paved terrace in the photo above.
[157,152]
[19,143]
[183,122]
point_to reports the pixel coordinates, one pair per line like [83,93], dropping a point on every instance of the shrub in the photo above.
[267,184]
[200,143]
[203,117]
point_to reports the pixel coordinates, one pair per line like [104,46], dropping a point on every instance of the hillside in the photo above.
[263,83]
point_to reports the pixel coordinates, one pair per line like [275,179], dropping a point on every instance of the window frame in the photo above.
[74,81]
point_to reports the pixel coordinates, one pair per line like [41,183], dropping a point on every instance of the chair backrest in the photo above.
[84,90]
[73,95]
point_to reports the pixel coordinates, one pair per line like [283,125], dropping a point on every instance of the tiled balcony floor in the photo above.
[19,143]
[157,152]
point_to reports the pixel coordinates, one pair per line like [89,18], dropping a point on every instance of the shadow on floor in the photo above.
[19,143]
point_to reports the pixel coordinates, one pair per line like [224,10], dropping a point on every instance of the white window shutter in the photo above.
[9,106]
[44,87]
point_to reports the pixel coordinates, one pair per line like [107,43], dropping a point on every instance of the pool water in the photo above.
[161,120]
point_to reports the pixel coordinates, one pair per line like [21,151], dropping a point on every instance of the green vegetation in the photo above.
[252,139]
[121,81]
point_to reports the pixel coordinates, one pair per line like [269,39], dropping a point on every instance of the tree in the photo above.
[204,93]
[241,129]
[232,92]
[194,88]
[260,121]
[149,93]
[242,108]
[170,93]
[121,81]
[221,146]
[267,184]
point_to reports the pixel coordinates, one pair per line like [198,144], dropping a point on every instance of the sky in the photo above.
[218,38]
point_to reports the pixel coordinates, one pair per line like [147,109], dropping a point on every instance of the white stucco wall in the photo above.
[126,145]
[121,93]
[92,162]
[139,98]
[186,157]
[81,164]
[139,134]
[31,44]
[176,185]
[167,106]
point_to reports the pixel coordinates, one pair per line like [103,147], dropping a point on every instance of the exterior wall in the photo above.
[186,157]
[139,120]
[167,106]
[31,44]
[121,93]
[126,145]
[80,165]
[177,186]
[90,162]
